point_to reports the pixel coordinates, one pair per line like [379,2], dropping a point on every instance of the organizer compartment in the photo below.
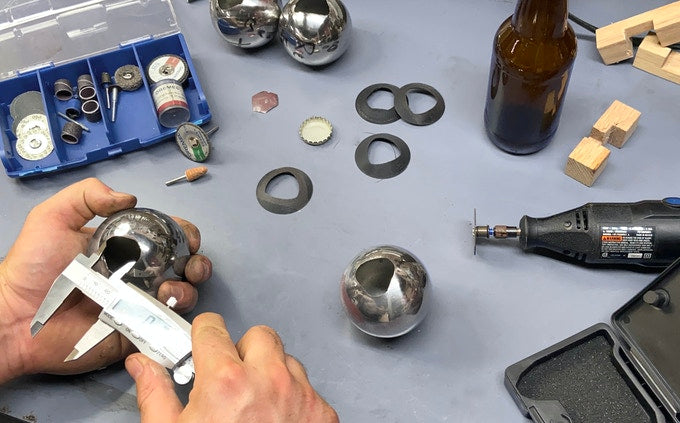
[9,156]
[96,138]
[135,115]
[148,51]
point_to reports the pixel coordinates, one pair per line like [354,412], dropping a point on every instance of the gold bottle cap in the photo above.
[316,130]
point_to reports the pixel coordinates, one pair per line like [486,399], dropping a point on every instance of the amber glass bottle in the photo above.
[533,54]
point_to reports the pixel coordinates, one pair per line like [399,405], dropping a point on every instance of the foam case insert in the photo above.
[628,372]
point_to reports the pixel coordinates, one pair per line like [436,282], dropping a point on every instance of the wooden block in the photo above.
[613,41]
[661,61]
[587,161]
[616,124]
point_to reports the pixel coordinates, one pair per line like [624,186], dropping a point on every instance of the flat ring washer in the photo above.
[284,205]
[419,119]
[383,170]
[379,116]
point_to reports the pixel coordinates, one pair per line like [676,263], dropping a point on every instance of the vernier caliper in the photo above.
[151,326]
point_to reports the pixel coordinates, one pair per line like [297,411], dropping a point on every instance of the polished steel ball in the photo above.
[246,23]
[386,291]
[315,32]
[155,242]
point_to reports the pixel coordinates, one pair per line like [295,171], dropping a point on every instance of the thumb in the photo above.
[156,397]
[75,205]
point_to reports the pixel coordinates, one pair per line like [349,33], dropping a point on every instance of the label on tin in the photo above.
[627,242]
[167,95]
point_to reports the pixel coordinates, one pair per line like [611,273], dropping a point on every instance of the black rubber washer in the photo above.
[420,119]
[383,170]
[284,205]
[379,116]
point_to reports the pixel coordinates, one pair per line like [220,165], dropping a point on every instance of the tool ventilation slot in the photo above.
[582,220]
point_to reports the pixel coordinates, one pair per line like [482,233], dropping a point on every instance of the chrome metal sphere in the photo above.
[155,242]
[386,291]
[315,32]
[246,23]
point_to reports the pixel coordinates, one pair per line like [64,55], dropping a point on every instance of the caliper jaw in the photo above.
[151,326]
[61,288]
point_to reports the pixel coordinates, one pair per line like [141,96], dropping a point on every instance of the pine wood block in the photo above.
[613,41]
[661,61]
[616,124]
[587,161]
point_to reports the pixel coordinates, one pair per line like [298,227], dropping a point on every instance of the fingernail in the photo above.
[134,367]
[120,194]
[207,268]
[178,293]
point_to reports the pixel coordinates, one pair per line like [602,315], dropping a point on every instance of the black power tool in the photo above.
[646,233]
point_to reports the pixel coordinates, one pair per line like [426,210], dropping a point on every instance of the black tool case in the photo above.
[628,372]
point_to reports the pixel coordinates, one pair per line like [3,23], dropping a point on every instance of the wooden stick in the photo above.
[587,161]
[616,124]
[661,61]
[613,41]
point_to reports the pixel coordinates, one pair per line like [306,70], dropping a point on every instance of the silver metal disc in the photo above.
[30,122]
[34,144]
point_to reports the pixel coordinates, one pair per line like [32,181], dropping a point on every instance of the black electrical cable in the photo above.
[578,21]
[592,28]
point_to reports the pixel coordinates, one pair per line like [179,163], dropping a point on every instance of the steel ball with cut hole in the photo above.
[386,291]
[153,240]
[315,32]
[246,23]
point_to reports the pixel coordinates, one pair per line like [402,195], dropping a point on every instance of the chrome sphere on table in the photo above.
[386,291]
[315,32]
[155,242]
[246,23]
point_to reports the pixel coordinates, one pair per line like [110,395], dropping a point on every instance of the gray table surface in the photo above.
[488,311]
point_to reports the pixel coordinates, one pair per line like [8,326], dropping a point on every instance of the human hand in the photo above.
[53,234]
[252,381]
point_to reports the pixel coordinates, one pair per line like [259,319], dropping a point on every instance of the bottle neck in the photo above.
[541,18]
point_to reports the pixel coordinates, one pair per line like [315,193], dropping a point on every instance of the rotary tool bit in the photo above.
[646,233]
[190,175]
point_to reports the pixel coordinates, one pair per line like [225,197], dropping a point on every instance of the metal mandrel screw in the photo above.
[115,91]
[85,128]
[190,175]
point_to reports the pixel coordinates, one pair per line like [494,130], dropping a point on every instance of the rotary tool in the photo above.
[646,233]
